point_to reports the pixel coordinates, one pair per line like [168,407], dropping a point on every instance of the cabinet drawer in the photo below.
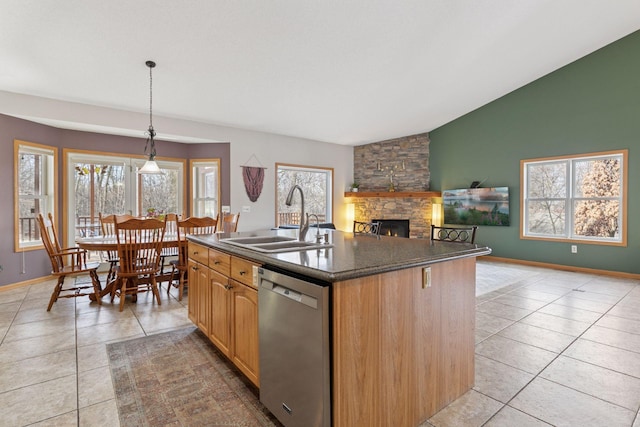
[220,262]
[242,271]
[198,253]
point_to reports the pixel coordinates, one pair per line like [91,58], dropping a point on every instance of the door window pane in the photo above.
[317,186]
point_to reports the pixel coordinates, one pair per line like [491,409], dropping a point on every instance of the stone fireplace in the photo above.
[400,165]
[393,227]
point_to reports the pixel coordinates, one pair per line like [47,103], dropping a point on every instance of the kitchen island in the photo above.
[402,314]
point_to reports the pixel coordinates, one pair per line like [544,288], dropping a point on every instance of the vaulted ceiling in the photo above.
[347,72]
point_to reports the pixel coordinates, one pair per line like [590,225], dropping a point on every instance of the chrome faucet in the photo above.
[304,221]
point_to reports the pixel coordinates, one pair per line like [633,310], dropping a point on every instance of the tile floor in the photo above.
[553,348]
[53,366]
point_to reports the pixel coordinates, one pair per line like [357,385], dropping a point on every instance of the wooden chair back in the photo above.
[228,222]
[454,234]
[370,228]
[171,220]
[107,224]
[67,262]
[193,225]
[51,243]
[139,246]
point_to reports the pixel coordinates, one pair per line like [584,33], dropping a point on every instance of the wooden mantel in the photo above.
[395,194]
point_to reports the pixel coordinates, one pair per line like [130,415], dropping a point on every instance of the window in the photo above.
[205,187]
[575,198]
[317,185]
[35,182]
[109,184]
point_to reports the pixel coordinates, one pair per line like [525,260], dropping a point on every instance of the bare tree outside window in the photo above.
[575,197]
[316,183]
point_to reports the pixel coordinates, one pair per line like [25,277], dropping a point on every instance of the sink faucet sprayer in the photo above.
[304,221]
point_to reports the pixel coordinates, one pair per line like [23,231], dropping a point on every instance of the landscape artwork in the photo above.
[476,206]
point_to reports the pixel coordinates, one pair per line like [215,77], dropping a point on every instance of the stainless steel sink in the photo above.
[254,240]
[273,244]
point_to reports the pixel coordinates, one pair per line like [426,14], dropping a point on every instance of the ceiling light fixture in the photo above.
[150,165]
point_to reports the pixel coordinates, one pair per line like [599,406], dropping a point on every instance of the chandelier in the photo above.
[150,165]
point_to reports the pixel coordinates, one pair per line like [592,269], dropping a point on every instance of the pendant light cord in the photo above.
[150,145]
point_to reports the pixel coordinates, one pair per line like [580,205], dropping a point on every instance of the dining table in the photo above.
[110,243]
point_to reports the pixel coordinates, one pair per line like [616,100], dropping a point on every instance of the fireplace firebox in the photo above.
[393,227]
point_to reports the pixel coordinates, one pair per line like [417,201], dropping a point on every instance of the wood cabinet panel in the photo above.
[356,352]
[194,288]
[219,306]
[401,350]
[242,271]
[220,262]
[198,253]
[244,309]
[226,310]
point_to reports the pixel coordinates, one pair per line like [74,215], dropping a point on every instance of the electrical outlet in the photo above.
[574,249]
[226,209]
[246,209]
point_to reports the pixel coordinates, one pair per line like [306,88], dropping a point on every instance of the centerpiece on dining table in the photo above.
[155,213]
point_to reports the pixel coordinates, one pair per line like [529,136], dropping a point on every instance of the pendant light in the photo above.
[150,165]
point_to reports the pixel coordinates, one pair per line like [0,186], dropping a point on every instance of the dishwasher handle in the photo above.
[288,293]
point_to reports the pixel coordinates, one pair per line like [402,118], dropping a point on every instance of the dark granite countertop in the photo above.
[349,256]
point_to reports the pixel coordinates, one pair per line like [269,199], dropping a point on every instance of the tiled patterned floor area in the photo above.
[553,348]
[53,366]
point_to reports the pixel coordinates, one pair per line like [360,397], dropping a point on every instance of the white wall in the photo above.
[267,148]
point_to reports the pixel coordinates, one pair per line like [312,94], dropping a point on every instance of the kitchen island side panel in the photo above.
[402,350]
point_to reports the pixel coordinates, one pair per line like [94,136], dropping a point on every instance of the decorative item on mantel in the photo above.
[354,187]
[390,171]
[253,177]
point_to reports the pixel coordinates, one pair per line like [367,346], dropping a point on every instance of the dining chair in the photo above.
[139,249]
[454,234]
[228,222]
[370,228]
[191,225]
[171,221]
[108,228]
[67,262]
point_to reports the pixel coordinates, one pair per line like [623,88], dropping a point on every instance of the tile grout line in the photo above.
[553,360]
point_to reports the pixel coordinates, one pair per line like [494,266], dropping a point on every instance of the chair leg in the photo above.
[173,272]
[111,274]
[56,292]
[97,289]
[123,292]
[181,282]
[154,289]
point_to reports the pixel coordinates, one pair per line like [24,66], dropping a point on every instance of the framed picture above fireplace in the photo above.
[476,206]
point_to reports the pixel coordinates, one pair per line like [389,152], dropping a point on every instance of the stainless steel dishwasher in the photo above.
[293,318]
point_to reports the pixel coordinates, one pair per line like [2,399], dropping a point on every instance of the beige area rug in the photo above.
[179,378]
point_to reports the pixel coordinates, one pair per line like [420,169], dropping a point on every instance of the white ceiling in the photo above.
[348,72]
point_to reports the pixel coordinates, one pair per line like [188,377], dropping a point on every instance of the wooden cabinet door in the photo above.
[198,276]
[219,330]
[244,311]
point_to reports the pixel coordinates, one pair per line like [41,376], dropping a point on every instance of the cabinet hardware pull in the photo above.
[227,287]
[216,262]
[242,272]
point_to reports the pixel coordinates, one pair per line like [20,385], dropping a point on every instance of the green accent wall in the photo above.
[590,105]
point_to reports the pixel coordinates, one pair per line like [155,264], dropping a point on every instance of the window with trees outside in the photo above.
[317,186]
[575,198]
[35,167]
[107,184]
[205,187]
